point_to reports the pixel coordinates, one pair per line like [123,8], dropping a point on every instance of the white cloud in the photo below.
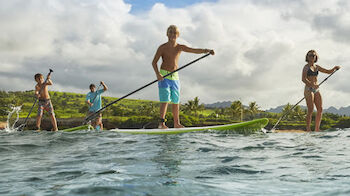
[260,47]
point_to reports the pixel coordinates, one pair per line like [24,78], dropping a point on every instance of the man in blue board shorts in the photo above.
[93,99]
[169,87]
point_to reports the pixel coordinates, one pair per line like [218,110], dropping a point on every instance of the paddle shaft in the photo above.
[36,99]
[285,114]
[90,117]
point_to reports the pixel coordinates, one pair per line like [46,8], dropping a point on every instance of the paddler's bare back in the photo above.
[170,56]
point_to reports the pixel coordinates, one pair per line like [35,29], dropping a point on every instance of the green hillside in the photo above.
[130,113]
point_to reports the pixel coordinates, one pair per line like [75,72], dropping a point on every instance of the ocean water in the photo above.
[109,163]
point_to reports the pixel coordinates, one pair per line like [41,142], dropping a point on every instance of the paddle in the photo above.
[92,116]
[22,126]
[285,114]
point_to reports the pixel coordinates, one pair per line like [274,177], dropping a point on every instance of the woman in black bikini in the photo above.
[311,92]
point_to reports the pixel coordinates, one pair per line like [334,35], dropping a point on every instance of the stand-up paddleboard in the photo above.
[301,131]
[289,131]
[79,128]
[243,127]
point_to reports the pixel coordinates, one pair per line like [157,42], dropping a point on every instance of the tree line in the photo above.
[193,113]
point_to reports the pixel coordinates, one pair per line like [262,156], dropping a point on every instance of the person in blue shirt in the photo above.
[93,99]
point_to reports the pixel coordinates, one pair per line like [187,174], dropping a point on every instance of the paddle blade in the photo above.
[21,127]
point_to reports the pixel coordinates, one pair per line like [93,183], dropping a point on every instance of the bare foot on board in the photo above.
[179,126]
[162,126]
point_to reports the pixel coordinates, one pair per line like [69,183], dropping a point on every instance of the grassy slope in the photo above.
[70,105]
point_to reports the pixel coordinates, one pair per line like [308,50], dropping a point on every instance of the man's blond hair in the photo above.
[173,27]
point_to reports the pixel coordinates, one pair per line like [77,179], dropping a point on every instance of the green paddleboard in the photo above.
[243,127]
[83,127]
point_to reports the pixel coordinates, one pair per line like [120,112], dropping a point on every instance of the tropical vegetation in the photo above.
[132,113]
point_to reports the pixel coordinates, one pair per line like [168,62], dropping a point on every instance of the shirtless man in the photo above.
[169,87]
[42,93]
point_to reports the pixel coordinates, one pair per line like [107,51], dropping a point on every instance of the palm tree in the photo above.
[253,109]
[188,107]
[286,110]
[193,106]
[299,113]
[236,109]
[196,106]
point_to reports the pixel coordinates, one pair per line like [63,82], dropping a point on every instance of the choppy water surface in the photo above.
[108,163]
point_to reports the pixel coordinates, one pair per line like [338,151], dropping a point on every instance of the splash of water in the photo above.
[15,109]
[90,128]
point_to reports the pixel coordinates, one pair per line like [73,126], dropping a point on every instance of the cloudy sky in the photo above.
[260,46]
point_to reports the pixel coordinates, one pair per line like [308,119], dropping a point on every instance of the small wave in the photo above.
[170,182]
[6,149]
[297,153]
[130,142]
[204,177]
[205,149]
[259,158]
[24,146]
[328,136]
[312,157]
[130,158]
[228,159]
[97,190]
[108,172]
[32,179]
[341,176]
[236,169]
[271,143]
[248,148]
[109,143]
[69,175]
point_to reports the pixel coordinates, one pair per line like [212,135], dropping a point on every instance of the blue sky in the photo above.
[144,5]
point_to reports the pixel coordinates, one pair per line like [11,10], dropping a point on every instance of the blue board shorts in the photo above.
[169,88]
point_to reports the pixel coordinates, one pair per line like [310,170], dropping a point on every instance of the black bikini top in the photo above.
[312,73]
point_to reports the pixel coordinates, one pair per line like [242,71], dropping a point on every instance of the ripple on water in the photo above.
[68,175]
[228,159]
[6,149]
[108,172]
[15,148]
[312,157]
[328,136]
[33,179]
[251,148]
[130,142]
[234,169]
[97,190]
[203,149]
[271,143]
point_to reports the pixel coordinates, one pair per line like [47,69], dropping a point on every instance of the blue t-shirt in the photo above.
[95,99]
